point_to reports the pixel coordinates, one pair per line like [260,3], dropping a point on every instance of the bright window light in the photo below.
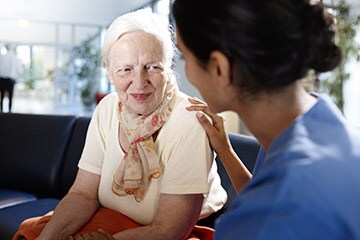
[163,8]
[23,23]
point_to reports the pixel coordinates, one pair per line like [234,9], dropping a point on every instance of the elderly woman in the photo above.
[145,157]
[249,56]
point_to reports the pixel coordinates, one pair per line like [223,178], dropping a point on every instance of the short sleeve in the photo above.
[187,160]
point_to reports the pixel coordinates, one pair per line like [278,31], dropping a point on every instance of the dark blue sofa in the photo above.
[38,163]
[247,148]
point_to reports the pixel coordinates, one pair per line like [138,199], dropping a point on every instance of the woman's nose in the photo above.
[141,79]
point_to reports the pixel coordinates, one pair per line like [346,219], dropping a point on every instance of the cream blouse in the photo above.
[187,162]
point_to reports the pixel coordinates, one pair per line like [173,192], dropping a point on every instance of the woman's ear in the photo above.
[219,67]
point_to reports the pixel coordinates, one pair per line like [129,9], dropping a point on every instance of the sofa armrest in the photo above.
[10,198]
[12,217]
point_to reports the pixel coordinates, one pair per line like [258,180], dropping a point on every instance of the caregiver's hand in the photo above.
[214,127]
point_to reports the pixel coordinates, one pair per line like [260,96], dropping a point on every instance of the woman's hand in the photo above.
[98,235]
[220,143]
[215,129]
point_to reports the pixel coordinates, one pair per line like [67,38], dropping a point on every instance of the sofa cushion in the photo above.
[9,198]
[12,217]
[32,149]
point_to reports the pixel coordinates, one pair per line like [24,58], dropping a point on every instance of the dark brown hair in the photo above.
[272,43]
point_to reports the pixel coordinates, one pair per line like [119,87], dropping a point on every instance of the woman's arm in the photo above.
[237,171]
[75,209]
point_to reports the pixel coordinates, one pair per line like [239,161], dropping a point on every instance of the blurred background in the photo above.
[59,45]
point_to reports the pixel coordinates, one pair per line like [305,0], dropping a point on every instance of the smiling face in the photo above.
[136,68]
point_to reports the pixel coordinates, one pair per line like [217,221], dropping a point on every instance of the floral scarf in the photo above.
[141,161]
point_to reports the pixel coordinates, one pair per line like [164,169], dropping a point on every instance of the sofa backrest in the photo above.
[72,156]
[32,148]
[247,148]
[39,154]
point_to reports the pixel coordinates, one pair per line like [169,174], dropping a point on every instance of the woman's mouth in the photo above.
[141,96]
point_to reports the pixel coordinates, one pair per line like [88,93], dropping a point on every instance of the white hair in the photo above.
[140,20]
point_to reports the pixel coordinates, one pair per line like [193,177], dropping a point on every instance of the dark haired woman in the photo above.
[248,56]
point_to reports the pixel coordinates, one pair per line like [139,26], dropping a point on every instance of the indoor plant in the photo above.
[345,26]
[87,68]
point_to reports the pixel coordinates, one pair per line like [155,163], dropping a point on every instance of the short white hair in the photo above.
[140,20]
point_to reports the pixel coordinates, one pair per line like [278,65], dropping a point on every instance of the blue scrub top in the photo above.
[307,186]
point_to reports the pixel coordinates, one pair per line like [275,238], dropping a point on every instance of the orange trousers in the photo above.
[106,219]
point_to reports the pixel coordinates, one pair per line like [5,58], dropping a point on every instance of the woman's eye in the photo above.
[154,69]
[123,71]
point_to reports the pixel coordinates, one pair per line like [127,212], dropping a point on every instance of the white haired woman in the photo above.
[147,170]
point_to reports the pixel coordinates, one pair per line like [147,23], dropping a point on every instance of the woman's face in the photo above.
[197,75]
[136,69]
